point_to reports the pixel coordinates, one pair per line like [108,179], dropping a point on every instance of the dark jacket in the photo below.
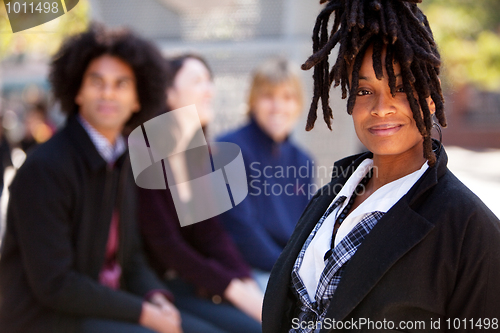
[279,178]
[58,220]
[434,254]
[202,253]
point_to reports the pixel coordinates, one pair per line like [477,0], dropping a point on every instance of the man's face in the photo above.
[108,95]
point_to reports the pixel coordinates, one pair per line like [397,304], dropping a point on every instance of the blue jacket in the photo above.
[279,177]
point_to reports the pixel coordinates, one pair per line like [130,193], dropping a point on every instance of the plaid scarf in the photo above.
[314,312]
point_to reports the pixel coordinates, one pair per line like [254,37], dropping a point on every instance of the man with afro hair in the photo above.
[71,259]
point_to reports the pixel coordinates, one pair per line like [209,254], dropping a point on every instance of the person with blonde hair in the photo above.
[277,170]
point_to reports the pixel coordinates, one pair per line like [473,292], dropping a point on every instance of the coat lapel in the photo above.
[84,144]
[399,230]
[276,305]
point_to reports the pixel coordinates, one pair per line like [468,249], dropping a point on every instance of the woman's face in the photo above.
[385,124]
[276,110]
[193,85]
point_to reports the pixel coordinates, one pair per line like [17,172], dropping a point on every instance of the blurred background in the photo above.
[235,36]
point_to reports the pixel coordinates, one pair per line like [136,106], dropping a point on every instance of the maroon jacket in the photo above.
[202,253]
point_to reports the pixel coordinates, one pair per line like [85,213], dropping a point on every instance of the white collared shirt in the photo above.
[381,200]
[107,151]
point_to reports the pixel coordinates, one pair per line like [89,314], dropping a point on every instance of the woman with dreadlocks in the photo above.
[396,240]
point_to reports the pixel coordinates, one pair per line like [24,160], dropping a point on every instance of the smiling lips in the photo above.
[385,129]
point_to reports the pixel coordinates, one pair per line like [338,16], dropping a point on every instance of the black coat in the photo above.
[58,220]
[434,254]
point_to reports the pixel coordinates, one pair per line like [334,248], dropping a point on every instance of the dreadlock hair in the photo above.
[71,61]
[401,28]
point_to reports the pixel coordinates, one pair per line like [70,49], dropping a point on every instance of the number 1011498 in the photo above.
[32,8]
[472,324]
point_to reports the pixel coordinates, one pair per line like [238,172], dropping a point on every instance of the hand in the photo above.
[161,319]
[246,296]
[165,305]
[252,284]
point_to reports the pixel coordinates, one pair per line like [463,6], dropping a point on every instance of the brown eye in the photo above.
[363,92]
[400,89]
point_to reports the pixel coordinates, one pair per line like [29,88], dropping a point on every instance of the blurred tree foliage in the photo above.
[45,39]
[468,35]
[467,32]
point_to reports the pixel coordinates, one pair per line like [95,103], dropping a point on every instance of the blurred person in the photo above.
[5,156]
[71,258]
[278,172]
[395,241]
[200,263]
[37,127]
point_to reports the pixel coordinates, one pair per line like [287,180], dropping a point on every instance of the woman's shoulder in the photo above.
[456,193]
[462,216]
[453,201]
